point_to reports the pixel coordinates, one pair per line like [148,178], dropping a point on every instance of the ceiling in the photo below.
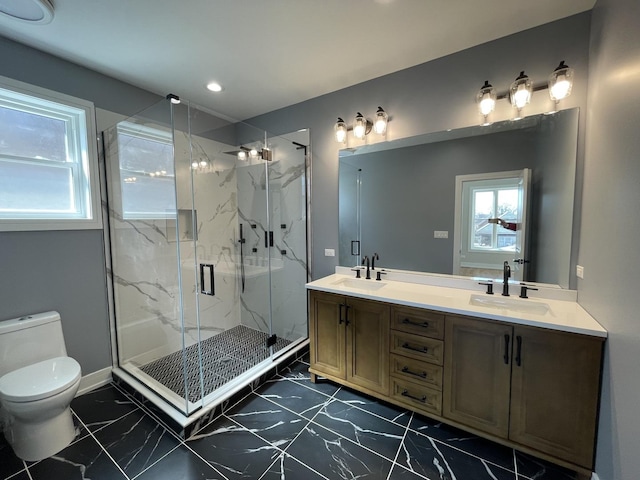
[271,54]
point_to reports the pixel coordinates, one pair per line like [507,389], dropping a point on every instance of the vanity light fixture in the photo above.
[174,99]
[340,130]
[560,82]
[362,126]
[521,91]
[245,153]
[486,100]
[380,124]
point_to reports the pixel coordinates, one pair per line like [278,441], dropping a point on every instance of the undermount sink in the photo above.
[513,304]
[360,284]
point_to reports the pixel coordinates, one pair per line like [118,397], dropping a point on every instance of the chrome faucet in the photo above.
[366,260]
[374,257]
[506,273]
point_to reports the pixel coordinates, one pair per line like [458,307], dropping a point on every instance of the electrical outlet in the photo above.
[329,252]
[580,271]
[440,234]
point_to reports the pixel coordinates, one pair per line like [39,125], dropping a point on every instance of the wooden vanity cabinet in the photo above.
[532,386]
[350,340]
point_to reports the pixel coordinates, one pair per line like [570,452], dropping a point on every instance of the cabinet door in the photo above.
[368,344]
[327,333]
[477,374]
[554,392]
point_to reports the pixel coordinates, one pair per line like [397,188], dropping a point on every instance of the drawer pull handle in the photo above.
[415,349]
[417,374]
[422,399]
[406,321]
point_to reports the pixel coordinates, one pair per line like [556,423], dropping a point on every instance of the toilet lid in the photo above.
[40,380]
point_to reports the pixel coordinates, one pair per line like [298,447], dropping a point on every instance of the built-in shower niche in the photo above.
[184,228]
[177,198]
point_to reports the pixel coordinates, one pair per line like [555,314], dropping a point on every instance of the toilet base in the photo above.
[36,441]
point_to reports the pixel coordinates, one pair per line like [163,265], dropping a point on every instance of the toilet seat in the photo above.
[40,380]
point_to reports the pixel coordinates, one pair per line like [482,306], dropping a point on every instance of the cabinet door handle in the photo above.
[340,319]
[415,349]
[417,374]
[506,349]
[407,321]
[422,399]
[519,350]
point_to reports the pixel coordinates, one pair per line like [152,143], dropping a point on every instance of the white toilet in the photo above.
[37,383]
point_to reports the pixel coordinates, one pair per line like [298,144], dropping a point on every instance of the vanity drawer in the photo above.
[416,396]
[417,347]
[418,321]
[416,371]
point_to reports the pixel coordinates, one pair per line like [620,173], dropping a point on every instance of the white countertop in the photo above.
[550,313]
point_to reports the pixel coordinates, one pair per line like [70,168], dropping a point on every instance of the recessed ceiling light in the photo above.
[214,87]
[34,11]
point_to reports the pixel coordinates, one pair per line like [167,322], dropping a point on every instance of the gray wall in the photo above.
[431,97]
[611,227]
[63,270]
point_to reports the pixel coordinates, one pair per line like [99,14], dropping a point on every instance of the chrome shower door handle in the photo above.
[207,289]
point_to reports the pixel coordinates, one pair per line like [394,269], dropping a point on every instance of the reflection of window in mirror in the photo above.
[490,225]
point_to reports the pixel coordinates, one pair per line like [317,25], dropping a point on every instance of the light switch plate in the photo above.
[580,271]
[440,234]
[329,252]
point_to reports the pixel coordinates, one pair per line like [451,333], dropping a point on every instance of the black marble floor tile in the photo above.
[288,468]
[23,475]
[181,464]
[535,468]
[322,385]
[400,473]
[361,427]
[390,412]
[468,442]
[233,450]
[293,396]
[272,422]
[136,441]
[296,371]
[102,406]
[9,463]
[433,459]
[82,460]
[335,457]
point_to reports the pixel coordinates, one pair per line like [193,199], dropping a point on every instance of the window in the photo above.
[48,167]
[491,203]
[146,172]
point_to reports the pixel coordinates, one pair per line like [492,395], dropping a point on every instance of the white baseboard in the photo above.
[94,380]
[594,476]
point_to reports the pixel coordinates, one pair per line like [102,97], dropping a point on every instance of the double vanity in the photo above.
[522,372]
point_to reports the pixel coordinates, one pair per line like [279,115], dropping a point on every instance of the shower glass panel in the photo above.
[208,247]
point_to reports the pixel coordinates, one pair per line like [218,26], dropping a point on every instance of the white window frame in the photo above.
[86,172]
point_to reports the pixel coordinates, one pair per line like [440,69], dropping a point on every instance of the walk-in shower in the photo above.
[208,250]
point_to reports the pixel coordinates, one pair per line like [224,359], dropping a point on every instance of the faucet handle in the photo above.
[357,270]
[379,273]
[523,290]
[489,285]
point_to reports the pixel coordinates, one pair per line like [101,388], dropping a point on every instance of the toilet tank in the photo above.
[30,339]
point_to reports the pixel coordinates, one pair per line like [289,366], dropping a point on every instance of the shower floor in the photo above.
[224,357]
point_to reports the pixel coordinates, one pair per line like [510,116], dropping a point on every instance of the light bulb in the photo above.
[486,99]
[340,131]
[380,125]
[194,164]
[521,91]
[214,87]
[560,82]
[203,163]
[253,153]
[359,126]
[242,155]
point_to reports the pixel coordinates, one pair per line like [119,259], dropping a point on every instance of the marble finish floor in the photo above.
[287,428]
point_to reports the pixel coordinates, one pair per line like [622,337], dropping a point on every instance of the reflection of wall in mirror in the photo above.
[407,194]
